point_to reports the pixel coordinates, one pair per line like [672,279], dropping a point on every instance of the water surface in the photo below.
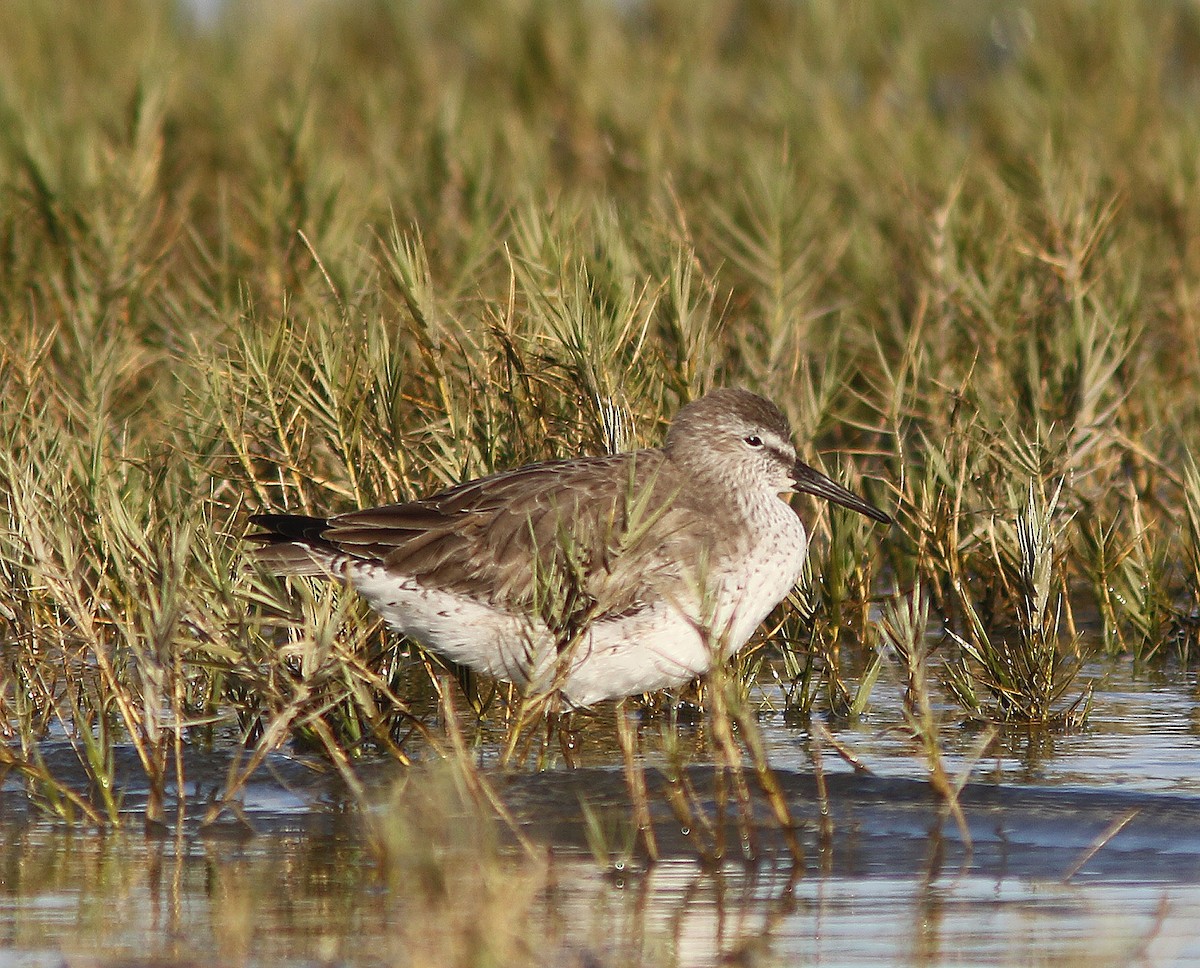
[886,879]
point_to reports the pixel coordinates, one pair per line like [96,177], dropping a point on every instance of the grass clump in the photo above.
[364,250]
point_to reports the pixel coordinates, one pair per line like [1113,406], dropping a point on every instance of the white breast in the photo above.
[762,578]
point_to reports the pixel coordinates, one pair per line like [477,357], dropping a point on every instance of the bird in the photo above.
[592,578]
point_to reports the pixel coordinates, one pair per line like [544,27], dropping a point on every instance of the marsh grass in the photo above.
[360,252]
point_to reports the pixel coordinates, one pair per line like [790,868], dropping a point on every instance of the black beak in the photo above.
[810,481]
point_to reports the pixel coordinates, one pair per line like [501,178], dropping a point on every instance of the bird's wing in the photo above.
[572,540]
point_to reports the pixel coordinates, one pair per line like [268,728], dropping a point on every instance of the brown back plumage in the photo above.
[556,538]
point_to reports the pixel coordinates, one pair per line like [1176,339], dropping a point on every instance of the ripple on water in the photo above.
[1140,736]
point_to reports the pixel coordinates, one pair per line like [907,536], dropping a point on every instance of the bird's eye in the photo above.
[753,440]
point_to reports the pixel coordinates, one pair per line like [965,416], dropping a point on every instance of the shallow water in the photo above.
[1142,734]
[300,899]
[887,882]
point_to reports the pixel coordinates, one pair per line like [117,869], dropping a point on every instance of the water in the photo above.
[293,899]
[886,884]
[1141,735]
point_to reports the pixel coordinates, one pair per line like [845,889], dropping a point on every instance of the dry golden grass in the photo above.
[363,250]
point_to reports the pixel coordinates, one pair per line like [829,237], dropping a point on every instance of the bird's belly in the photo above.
[655,648]
[463,629]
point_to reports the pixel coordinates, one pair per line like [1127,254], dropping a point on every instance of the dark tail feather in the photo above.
[288,527]
[292,545]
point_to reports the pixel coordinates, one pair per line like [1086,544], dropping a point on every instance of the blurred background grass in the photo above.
[322,254]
